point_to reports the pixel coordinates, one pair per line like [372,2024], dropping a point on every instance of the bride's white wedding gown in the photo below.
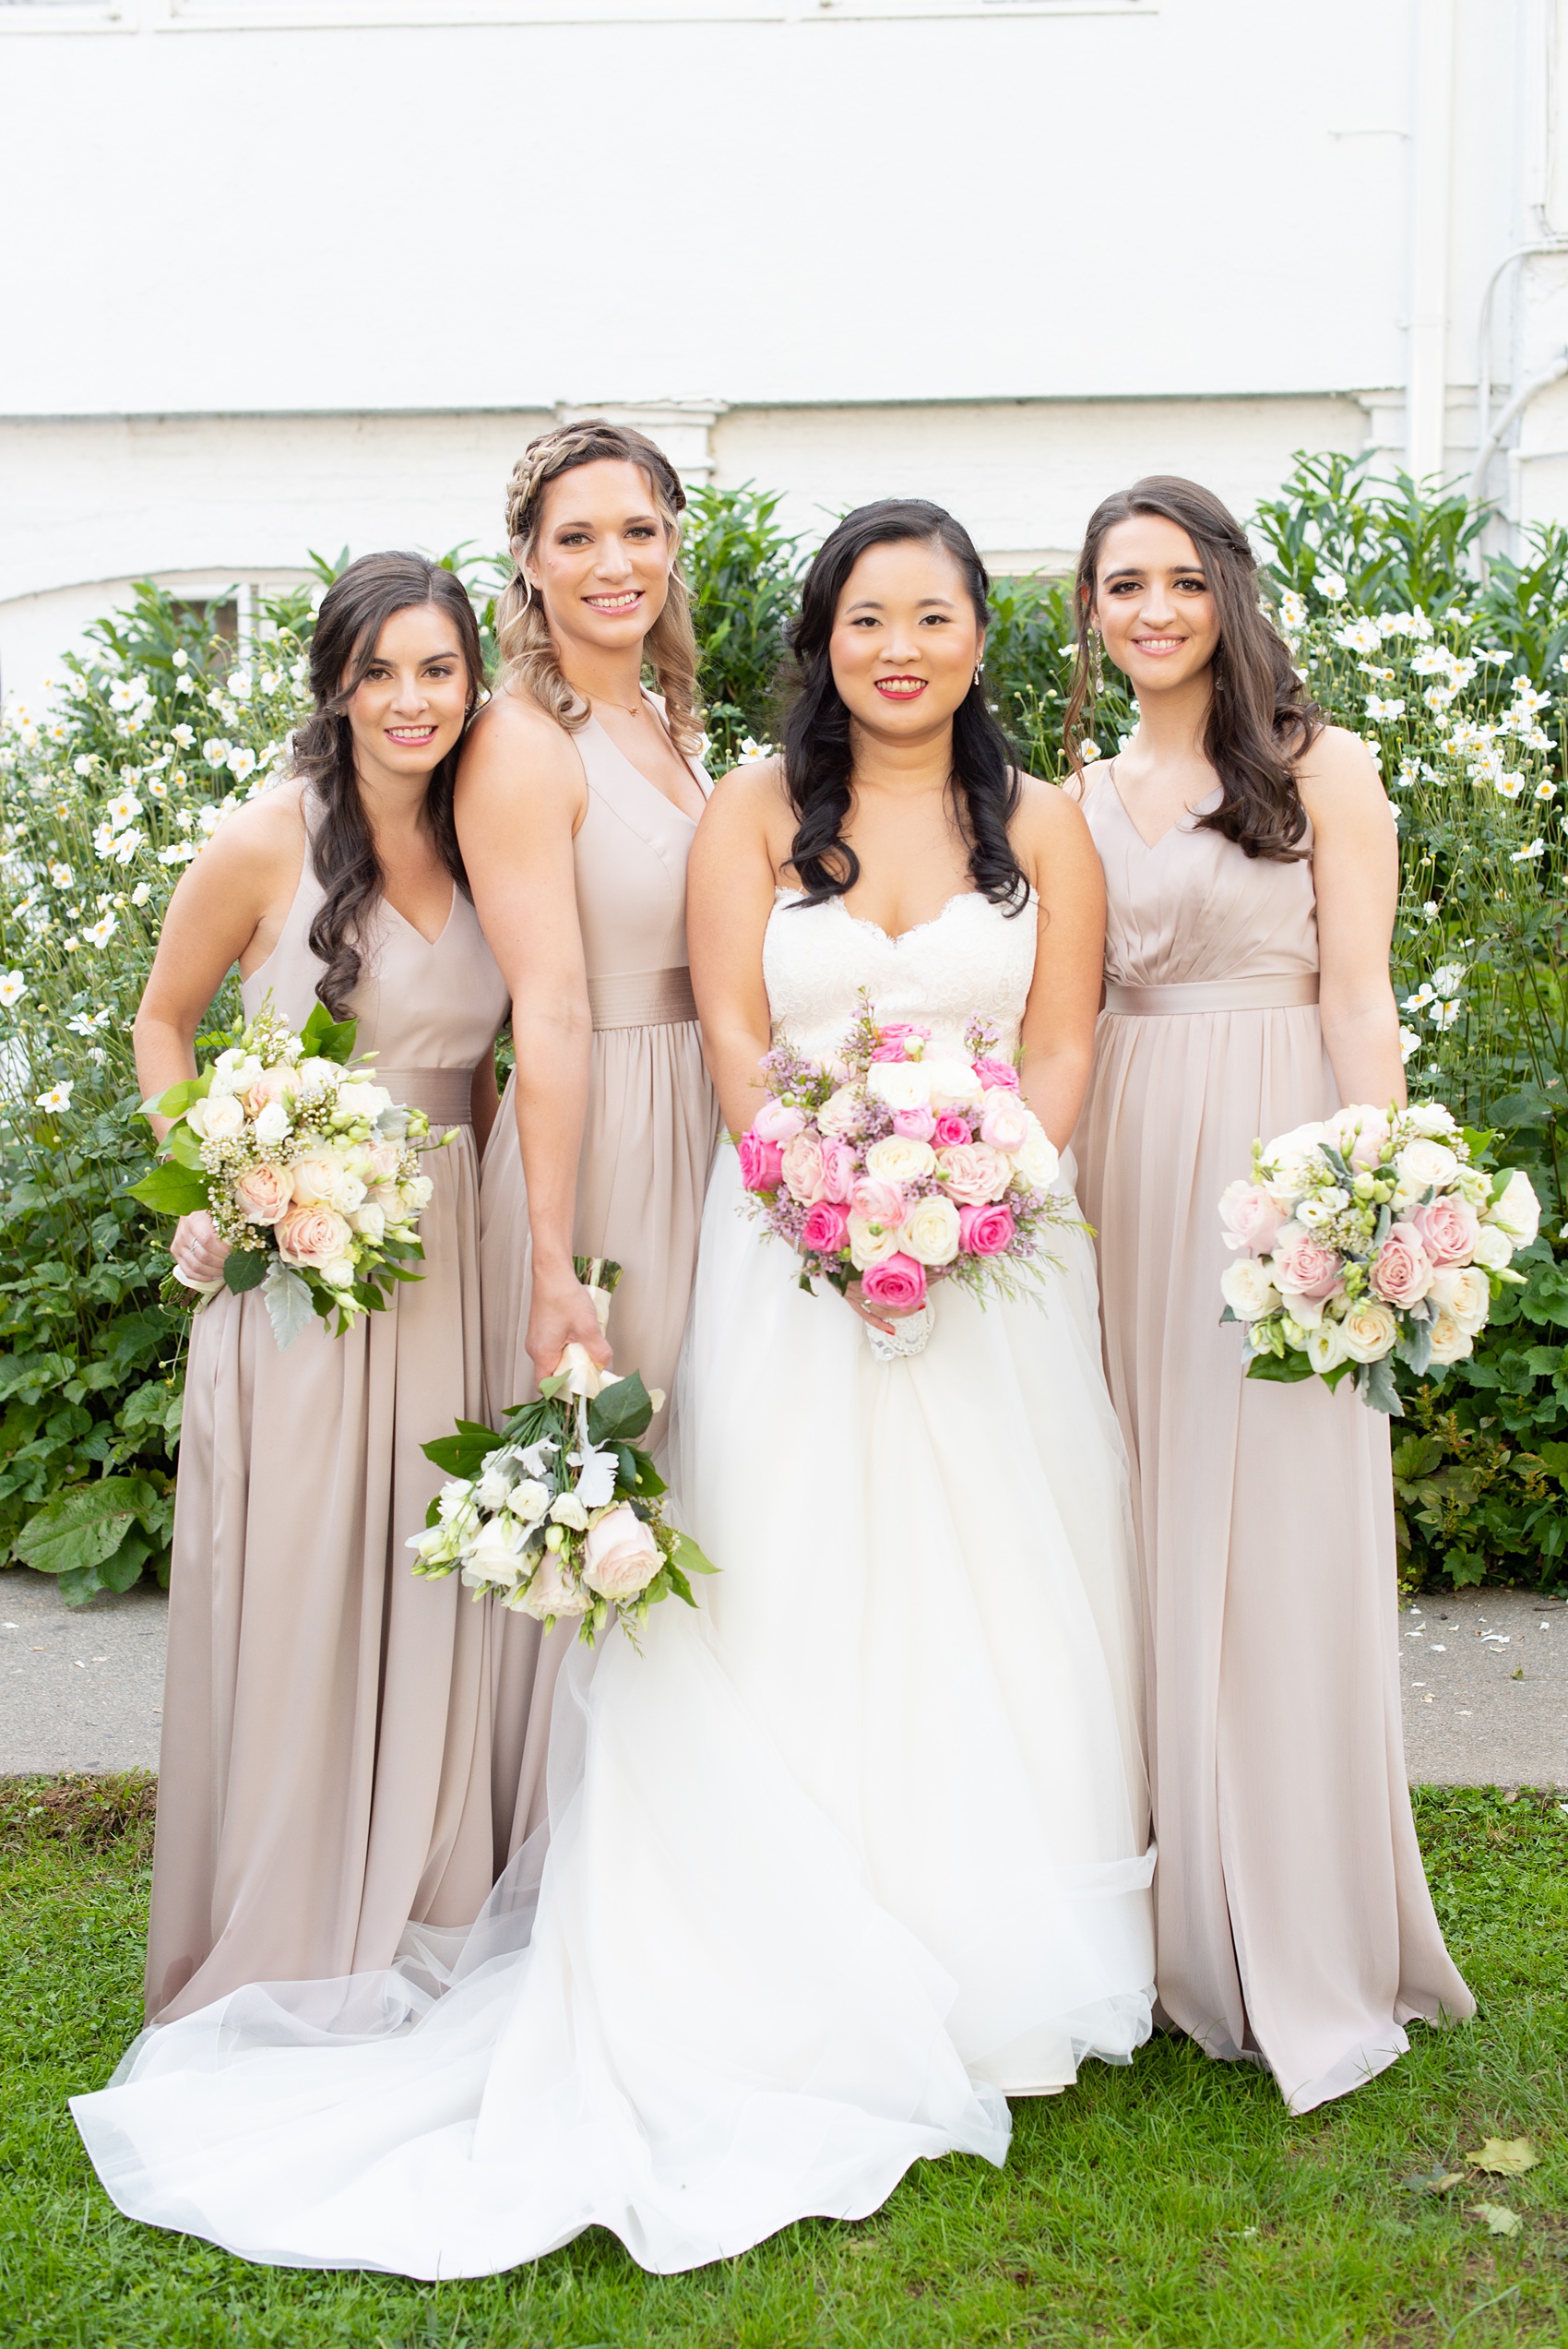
[834,1864]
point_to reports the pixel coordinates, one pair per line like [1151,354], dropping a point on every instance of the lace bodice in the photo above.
[970,958]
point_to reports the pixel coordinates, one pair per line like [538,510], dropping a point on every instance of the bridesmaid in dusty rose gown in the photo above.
[576,806]
[325,1770]
[1250,871]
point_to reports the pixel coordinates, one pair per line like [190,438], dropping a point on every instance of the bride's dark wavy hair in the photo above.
[354,610]
[818,760]
[1260,721]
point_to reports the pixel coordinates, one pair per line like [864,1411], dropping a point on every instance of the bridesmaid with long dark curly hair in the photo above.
[324,1772]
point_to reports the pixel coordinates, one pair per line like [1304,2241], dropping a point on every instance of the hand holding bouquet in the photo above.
[902,1166]
[558,1513]
[1378,1233]
[306,1166]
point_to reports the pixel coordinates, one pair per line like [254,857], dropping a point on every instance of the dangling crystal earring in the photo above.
[1096,673]
[979,666]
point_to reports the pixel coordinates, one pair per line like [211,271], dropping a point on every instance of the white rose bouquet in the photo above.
[558,1513]
[901,1166]
[1377,1234]
[306,1166]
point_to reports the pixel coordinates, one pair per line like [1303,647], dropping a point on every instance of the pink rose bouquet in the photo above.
[901,1164]
[557,1513]
[306,1166]
[1376,1236]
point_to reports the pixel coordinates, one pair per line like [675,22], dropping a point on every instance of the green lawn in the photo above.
[1173,2203]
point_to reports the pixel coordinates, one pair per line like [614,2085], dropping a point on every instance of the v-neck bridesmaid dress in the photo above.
[325,1771]
[1294,1926]
[649,1139]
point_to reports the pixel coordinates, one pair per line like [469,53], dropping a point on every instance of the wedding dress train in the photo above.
[834,1866]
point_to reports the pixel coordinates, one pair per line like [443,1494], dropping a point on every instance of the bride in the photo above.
[838,1863]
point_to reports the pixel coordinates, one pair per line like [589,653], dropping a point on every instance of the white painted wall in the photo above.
[285,273]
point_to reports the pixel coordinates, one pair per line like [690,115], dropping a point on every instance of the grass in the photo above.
[1172,2204]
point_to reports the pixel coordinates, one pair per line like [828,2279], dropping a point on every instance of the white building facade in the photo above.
[287,274]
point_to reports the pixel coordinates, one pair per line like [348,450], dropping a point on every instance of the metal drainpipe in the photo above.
[1515,408]
[1426,390]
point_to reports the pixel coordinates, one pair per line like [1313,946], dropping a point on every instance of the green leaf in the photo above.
[622,1410]
[638,1474]
[172,1190]
[244,1269]
[178,1099]
[85,1525]
[123,1566]
[1286,1370]
[688,1558]
[325,1038]
[462,1454]
[1555,1457]
[1378,1390]
[1500,2219]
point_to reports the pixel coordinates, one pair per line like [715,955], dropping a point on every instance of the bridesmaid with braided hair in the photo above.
[576,802]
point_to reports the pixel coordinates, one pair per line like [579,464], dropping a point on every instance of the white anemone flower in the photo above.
[99,933]
[13,987]
[58,1096]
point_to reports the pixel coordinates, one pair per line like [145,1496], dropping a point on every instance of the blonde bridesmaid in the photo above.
[1251,868]
[576,804]
[325,1771]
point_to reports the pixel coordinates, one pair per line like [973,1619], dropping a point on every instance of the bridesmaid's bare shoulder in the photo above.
[259,845]
[1048,826]
[514,744]
[1338,779]
[750,805]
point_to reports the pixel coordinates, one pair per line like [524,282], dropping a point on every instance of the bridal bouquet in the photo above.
[558,1512]
[307,1167]
[900,1166]
[1377,1234]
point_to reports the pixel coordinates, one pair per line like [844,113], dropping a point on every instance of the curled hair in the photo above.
[354,610]
[818,755]
[1260,721]
[528,651]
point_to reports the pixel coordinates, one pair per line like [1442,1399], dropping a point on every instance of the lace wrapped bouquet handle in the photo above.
[1377,1235]
[900,1165]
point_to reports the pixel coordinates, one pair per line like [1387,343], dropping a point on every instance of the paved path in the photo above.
[1485,1679]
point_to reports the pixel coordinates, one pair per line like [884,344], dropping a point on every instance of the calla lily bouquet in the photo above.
[1374,1234]
[558,1512]
[306,1166]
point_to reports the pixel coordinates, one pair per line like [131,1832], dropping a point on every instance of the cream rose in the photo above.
[1430,1118]
[838,1112]
[871,1243]
[1493,1248]
[1369,1330]
[898,1084]
[265,1194]
[1517,1212]
[1464,1293]
[1037,1161]
[974,1172]
[1247,1289]
[313,1237]
[1449,1343]
[370,1223]
[952,1084]
[318,1180]
[362,1103]
[931,1231]
[1424,1165]
[218,1118]
[900,1160]
[620,1557]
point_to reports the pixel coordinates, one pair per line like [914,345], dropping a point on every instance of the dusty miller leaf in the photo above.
[289,1307]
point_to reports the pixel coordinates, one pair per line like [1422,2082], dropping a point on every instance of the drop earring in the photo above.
[1097,671]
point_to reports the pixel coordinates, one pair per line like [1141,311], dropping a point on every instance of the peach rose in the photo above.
[317,1181]
[1464,1293]
[900,1159]
[1369,1330]
[313,1237]
[1401,1270]
[975,1173]
[265,1194]
[1449,1343]
[800,1165]
[619,1556]
[268,1087]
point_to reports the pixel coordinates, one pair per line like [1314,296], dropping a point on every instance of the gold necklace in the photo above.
[594,701]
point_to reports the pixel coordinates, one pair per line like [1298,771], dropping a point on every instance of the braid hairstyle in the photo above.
[354,610]
[529,656]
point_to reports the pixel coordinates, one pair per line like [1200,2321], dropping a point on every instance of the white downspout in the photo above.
[1426,390]
[1515,408]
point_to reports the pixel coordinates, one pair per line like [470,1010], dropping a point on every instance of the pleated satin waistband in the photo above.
[643,999]
[1216,995]
[445,1095]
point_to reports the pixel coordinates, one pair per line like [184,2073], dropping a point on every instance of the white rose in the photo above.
[1037,1162]
[235,1072]
[217,1118]
[1430,1118]
[362,1103]
[529,1500]
[1449,1343]
[496,1553]
[1292,1160]
[1494,1249]
[492,1485]
[1247,1289]
[954,1085]
[871,1243]
[566,1509]
[1425,1166]
[1368,1330]
[339,1275]
[370,1222]
[898,1160]
[1325,1346]
[272,1125]
[1464,1293]
[897,1084]
[1517,1212]
[317,1071]
[549,1593]
[931,1232]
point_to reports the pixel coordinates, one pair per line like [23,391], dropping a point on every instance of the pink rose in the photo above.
[828,1229]
[1250,1217]
[265,1195]
[997,1072]
[268,1087]
[1401,1270]
[619,1556]
[313,1237]
[1361,1135]
[838,1171]
[778,1121]
[975,1173]
[1449,1229]
[801,1168]
[892,1041]
[380,1164]
[985,1231]
[914,1124]
[762,1164]
[897,1281]
[951,1131]
[1301,1266]
[876,1201]
[1004,1119]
